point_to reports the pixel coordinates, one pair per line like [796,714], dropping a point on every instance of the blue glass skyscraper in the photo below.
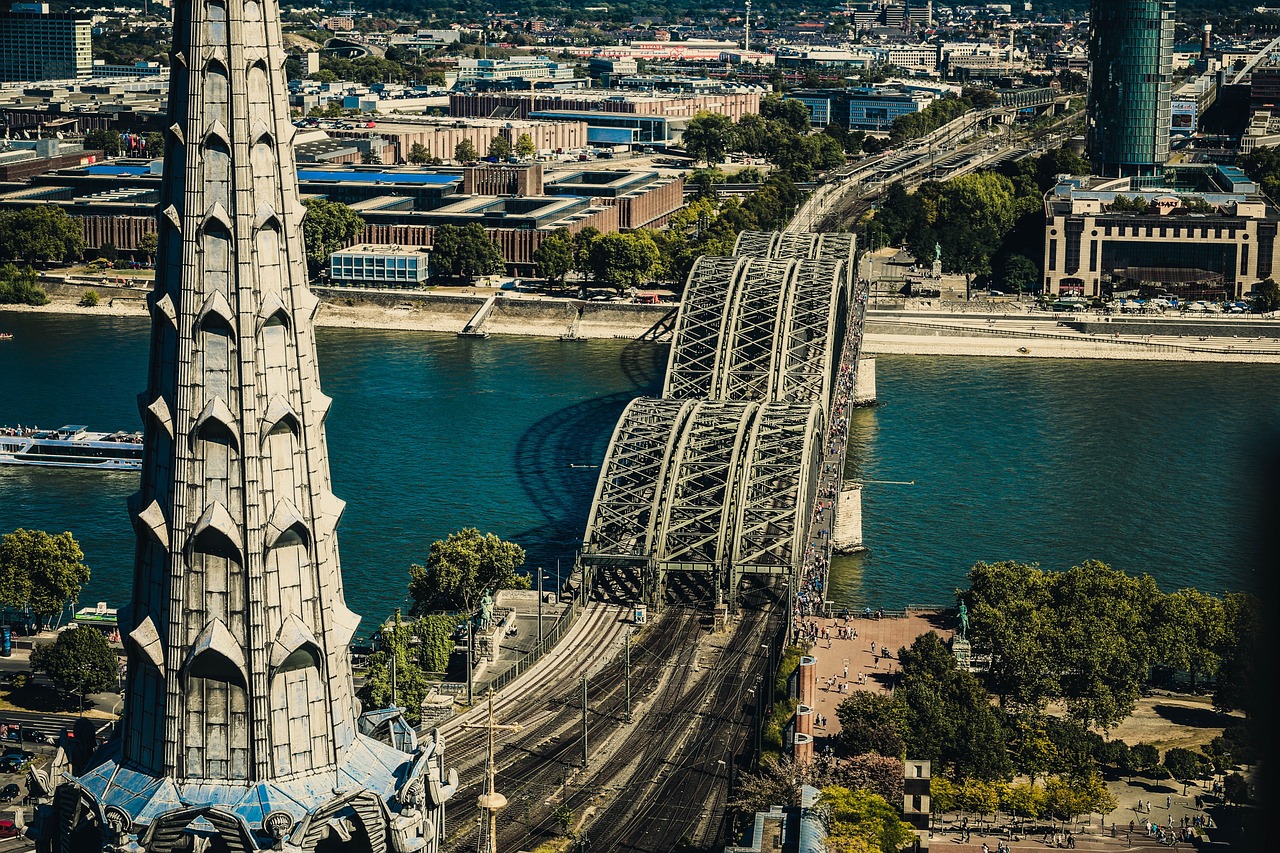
[1130,85]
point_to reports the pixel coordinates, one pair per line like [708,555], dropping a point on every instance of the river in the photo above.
[1148,466]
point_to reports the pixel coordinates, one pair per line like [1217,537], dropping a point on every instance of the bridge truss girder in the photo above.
[700,326]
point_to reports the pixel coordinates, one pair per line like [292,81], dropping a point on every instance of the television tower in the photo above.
[746,40]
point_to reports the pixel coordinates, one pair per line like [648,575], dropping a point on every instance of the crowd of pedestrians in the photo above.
[817,558]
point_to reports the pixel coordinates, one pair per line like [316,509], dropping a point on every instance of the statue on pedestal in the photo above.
[964,622]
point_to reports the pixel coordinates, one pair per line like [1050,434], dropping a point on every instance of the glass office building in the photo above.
[1130,85]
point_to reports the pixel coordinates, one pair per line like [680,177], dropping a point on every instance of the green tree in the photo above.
[1188,632]
[371,157]
[155,144]
[1020,272]
[866,816]
[465,252]
[461,569]
[1144,756]
[1235,789]
[18,287]
[465,151]
[40,571]
[978,796]
[40,233]
[1022,800]
[554,257]
[149,245]
[583,239]
[1128,204]
[500,147]
[949,717]
[79,662]
[709,136]
[1185,765]
[625,260]
[1266,297]
[109,142]
[704,182]
[418,154]
[90,299]
[790,112]
[327,227]
[871,723]
[942,795]
[393,677]
[525,147]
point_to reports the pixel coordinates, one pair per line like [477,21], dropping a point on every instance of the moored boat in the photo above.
[71,446]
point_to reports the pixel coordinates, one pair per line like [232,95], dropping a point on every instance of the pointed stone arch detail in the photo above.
[294,636]
[153,521]
[216,418]
[216,308]
[273,313]
[216,533]
[280,412]
[158,409]
[286,519]
[217,214]
[171,216]
[216,655]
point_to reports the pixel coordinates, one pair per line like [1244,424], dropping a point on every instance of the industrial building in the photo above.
[440,136]
[1131,86]
[522,105]
[36,44]
[1093,248]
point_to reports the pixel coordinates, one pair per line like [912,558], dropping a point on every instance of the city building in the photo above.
[516,72]
[521,104]
[867,108]
[1131,86]
[44,45]
[1206,232]
[440,136]
[116,202]
[240,729]
[378,265]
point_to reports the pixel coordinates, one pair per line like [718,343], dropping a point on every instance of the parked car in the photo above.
[8,792]
[8,829]
[11,763]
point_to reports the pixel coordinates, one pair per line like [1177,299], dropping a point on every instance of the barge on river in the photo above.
[71,447]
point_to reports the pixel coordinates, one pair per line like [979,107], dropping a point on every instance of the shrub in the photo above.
[90,299]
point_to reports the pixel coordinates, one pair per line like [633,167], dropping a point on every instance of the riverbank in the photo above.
[531,315]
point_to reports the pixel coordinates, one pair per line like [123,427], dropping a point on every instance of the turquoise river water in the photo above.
[1148,466]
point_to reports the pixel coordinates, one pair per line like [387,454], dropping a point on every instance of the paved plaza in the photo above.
[865,670]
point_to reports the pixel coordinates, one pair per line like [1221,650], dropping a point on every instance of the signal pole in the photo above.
[585,760]
[491,801]
[626,650]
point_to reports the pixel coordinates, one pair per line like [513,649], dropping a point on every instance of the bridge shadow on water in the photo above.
[557,460]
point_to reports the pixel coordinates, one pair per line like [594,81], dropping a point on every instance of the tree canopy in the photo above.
[865,817]
[18,287]
[464,252]
[41,233]
[709,136]
[461,569]
[624,259]
[40,571]
[554,257]
[327,227]
[79,662]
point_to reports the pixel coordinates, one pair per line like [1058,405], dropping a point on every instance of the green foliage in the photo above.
[371,158]
[40,571]
[1244,650]
[461,569]
[871,722]
[915,125]
[434,633]
[709,136]
[1266,296]
[1235,789]
[554,257]
[155,144]
[525,146]
[564,818]
[624,260]
[18,287]
[393,676]
[1082,636]
[1128,204]
[500,147]
[866,816]
[978,796]
[943,795]
[1263,165]
[465,151]
[705,180]
[792,113]
[149,244]
[90,299]
[327,227]
[464,252]
[41,233]
[1022,799]
[109,142]
[418,154]
[1186,765]
[79,662]
[1068,797]
[1144,757]
[949,718]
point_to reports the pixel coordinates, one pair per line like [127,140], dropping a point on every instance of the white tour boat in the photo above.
[71,447]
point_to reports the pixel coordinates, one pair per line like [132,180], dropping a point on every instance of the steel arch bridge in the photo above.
[720,474]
